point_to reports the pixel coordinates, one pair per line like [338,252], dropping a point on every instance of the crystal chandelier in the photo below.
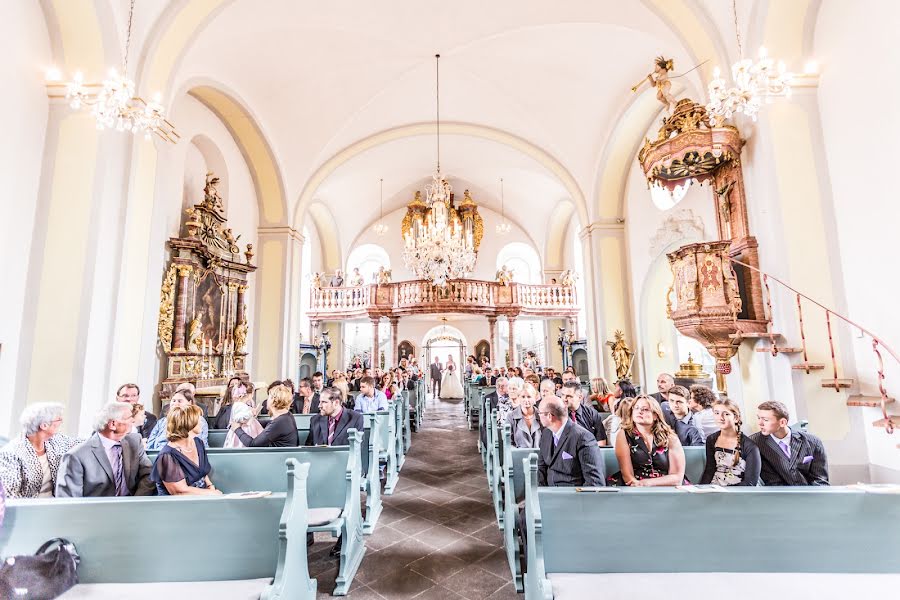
[440,240]
[752,81]
[113,103]
[380,228]
[503,227]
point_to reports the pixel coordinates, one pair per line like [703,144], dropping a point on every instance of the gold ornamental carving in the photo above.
[184,270]
[195,332]
[417,210]
[166,324]
[240,336]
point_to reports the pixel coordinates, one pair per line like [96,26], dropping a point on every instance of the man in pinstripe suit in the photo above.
[788,457]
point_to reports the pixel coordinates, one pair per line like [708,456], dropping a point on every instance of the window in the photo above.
[523,260]
[368,258]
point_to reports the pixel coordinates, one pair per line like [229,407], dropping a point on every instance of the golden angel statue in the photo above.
[659,79]
[318,280]
[195,332]
[621,354]
[383,276]
[240,335]
[504,275]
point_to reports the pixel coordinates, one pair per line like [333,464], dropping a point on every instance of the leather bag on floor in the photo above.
[48,574]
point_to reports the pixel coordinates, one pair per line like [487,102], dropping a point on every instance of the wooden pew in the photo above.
[788,534]
[387,449]
[333,489]
[261,550]
[376,425]
[407,424]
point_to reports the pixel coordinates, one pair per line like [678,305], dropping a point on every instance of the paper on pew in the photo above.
[248,495]
[876,488]
[696,489]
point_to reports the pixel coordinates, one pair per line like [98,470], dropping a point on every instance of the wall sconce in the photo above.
[660,349]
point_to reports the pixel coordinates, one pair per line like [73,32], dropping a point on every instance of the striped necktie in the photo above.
[332,424]
[119,471]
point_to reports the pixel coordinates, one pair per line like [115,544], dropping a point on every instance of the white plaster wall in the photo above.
[182,170]
[485,265]
[856,46]
[24,46]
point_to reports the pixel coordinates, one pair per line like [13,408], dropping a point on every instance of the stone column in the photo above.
[512,341]
[492,339]
[374,352]
[313,330]
[181,301]
[395,341]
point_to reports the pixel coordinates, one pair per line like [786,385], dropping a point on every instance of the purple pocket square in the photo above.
[567,456]
[807,460]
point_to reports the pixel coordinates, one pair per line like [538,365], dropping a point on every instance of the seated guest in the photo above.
[514,391]
[647,449]
[490,378]
[112,462]
[499,397]
[341,384]
[281,431]
[533,380]
[190,387]
[664,383]
[624,389]
[331,426]
[264,410]
[579,412]
[568,454]
[182,468]
[138,418]
[30,462]
[620,407]
[369,399]
[700,403]
[547,390]
[237,394]
[788,457]
[318,382]
[569,375]
[246,419]
[305,401]
[386,380]
[731,457]
[600,394]
[131,393]
[680,418]
[523,421]
[181,399]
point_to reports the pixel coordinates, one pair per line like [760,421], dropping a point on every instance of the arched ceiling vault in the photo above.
[329,235]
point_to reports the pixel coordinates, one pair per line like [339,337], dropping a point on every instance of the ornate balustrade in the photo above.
[471,296]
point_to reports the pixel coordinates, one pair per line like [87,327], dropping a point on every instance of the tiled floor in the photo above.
[437,538]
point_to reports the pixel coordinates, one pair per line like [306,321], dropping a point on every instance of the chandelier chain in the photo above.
[737,30]
[437,89]
[128,39]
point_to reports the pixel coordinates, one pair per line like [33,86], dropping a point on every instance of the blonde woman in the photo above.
[524,421]
[648,451]
[182,468]
[731,457]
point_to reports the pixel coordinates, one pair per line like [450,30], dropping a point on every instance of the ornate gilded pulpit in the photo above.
[717,300]
[203,319]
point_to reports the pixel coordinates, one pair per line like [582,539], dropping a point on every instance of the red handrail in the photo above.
[876,340]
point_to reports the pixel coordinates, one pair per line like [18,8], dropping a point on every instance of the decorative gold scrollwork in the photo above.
[166,324]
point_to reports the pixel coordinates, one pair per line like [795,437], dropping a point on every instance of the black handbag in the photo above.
[48,574]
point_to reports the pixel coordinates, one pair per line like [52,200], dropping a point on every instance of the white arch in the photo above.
[367,257]
[520,257]
[441,330]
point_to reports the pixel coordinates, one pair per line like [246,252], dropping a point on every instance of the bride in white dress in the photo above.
[451,387]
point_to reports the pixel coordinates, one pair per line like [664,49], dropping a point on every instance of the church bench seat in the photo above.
[387,449]
[264,557]
[333,485]
[794,531]
[512,490]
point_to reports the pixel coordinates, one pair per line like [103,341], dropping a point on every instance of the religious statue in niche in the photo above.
[318,280]
[504,275]
[195,332]
[383,276]
[209,299]
[723,195]
[240,335]
[659,79]
[621,354]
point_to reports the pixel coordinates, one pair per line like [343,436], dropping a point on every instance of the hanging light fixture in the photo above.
[440,239]
[752,81]
[113,103]
[380,228]
[503,227]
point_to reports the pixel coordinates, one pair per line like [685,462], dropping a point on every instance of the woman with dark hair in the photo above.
[731,457]
[700,403]
[624,389]
[648,451]
[223,415]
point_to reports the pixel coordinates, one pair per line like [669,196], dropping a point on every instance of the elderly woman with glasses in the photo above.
[648,450]
[28,464]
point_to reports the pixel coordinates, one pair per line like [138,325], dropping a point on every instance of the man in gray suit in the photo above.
[568,455]
[434,371]
[788,457]
[112,462]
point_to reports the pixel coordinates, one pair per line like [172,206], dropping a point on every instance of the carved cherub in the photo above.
[568,278]
[318,280]
[504,275]
[383,276]
[659,79]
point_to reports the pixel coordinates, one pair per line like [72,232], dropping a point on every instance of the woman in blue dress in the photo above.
[182,468]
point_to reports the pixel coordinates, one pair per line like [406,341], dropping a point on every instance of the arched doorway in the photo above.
[442,342]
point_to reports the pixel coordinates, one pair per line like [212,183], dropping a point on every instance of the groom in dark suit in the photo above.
[788,457]
[434,371]
[568,455]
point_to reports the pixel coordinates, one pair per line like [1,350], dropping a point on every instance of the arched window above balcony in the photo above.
[523,260]
[368,258]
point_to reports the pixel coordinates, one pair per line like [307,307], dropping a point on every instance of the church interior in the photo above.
[198,191]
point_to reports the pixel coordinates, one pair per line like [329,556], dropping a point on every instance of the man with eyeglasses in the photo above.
[569,456]
[131,393]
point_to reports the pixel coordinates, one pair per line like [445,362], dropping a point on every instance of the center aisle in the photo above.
[437,538]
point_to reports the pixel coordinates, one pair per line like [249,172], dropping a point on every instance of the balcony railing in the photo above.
[460,296]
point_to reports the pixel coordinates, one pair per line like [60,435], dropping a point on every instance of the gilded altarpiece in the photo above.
[203,321]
